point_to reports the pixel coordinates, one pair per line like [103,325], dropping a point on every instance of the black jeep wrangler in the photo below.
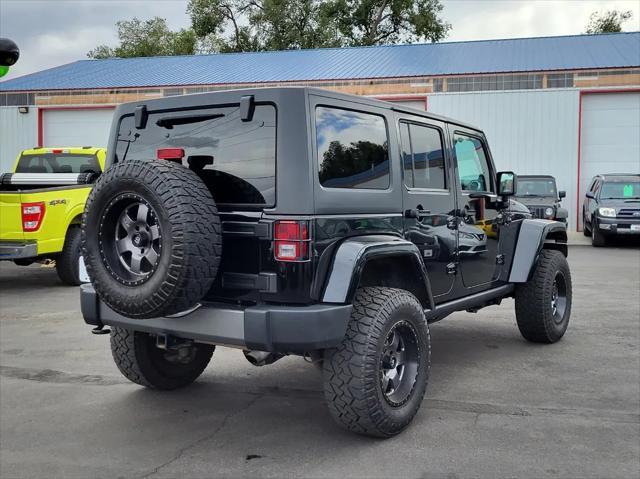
[540,194]
[298,221]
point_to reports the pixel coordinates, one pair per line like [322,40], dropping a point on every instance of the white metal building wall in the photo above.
[18,131]
[529,132]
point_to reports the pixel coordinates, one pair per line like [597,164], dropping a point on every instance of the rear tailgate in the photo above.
[11,217]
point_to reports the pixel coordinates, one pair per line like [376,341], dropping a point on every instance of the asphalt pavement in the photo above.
[496,405]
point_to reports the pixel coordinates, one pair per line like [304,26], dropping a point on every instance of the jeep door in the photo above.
[477,208]
[429,197]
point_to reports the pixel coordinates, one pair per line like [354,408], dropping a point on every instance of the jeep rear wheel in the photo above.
[140,361]
[543,304]
[374,382]
[151,238]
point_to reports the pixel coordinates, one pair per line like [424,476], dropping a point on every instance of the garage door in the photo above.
[610,136]
[76,127]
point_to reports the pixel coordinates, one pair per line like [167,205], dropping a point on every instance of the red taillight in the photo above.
[57,152]
[32,215]
[170,153]
[291,240]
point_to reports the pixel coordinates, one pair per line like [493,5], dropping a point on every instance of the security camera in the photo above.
[9,52]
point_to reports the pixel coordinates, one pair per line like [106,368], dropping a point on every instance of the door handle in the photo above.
[417,213]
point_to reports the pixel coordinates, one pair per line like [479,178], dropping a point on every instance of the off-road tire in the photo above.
[190,240]
[352,371]
[597,238]
[67,265]
[140,361]
[533,299]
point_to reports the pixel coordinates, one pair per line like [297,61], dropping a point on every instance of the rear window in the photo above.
[58,163]
[236,159]
[353,149]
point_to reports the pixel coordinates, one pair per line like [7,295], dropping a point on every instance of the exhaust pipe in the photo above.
[261,358]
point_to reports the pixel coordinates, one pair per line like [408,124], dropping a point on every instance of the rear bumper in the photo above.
[284,329]
[618,226]
[10,250]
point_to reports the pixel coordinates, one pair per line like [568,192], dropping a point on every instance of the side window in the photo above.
[353,149]
[422,156]
[473,166]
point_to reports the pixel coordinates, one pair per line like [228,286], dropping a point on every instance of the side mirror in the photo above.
[562,194]
[590,195]
[507,183]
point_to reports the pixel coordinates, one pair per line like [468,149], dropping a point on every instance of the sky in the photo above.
[54,32]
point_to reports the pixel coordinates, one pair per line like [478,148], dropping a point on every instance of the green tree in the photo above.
[379,22]
[148,38]
[254,25]
[608,22]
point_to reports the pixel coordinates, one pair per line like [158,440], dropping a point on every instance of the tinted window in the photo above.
[58,163]
[352,149]
[473,167]
[236,159]
[423,156]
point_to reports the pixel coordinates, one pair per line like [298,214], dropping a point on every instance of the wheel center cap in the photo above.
[139,240]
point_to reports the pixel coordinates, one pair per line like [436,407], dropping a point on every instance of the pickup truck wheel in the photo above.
[543,304]
[375,380]
[151,238]
[67,261]
[140,361]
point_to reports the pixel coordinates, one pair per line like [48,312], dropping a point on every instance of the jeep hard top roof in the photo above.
[213,98]
[542,177]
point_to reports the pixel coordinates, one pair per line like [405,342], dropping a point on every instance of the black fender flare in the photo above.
[351,257]
[534,235]
[562,214]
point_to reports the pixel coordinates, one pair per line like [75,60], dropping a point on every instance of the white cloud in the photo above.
[492,19]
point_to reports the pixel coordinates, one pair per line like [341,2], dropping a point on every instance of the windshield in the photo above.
[536,187]
[620,190]
[58,163]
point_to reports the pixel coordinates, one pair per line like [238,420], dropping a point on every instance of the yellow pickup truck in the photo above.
[41,206]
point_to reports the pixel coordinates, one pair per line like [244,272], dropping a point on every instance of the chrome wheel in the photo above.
[399,363]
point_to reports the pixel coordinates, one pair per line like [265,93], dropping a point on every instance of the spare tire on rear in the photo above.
[151,238]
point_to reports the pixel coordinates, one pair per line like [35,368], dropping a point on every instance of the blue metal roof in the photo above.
[490,56]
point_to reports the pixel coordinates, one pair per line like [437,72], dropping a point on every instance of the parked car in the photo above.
[363,234]
[540,194]
[612,207]
[41,205]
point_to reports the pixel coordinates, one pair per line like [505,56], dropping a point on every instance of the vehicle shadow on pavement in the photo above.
[14,278]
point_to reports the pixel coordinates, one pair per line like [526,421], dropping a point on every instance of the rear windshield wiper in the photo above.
[169,122]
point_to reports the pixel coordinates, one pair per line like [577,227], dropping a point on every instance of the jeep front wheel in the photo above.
[375,380]
[140,361]
[543,304]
